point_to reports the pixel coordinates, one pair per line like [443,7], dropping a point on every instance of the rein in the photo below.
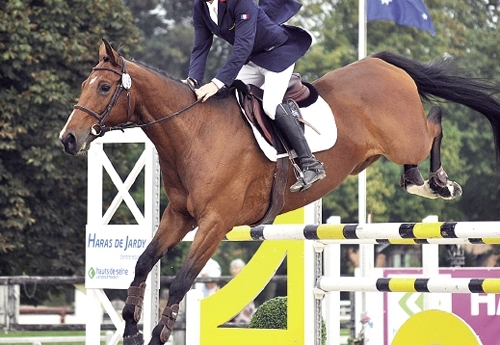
[99,129]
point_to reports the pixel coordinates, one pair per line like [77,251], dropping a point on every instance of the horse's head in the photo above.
[101,105]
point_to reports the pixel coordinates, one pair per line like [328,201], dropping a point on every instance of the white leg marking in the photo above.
[423,190]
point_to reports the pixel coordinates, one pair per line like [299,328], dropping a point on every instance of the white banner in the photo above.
[111,255]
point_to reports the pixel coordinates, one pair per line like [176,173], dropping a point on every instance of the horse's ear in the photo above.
[107,52]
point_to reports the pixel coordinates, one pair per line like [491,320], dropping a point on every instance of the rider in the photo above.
[264,52]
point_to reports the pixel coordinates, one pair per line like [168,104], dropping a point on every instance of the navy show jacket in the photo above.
[254,31]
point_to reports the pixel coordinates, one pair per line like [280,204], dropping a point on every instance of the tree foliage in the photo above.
[47,48]
[168,36]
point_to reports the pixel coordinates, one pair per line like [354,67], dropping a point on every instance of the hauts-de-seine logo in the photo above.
[91,273]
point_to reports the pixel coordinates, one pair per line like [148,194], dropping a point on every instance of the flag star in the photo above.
[425,16]
[385,2]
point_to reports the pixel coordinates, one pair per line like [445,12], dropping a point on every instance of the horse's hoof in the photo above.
[136,339]
[430,190]
[451,191]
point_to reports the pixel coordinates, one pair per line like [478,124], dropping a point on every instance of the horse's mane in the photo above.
[156,70]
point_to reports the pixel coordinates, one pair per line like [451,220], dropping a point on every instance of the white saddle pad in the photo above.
[320,116]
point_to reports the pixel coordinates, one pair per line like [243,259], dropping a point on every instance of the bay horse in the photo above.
[215,175]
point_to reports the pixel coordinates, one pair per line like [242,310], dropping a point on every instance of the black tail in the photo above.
[436,79]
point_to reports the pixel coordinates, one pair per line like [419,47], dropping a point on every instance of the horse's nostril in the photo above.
[69,142]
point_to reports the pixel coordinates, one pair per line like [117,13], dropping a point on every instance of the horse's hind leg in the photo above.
[412,178]
[438,184]
[438,179]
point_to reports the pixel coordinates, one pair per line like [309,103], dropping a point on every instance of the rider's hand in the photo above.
[206,91]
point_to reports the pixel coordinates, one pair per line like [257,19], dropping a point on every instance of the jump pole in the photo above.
[376,233]
[401,284]
[429,232]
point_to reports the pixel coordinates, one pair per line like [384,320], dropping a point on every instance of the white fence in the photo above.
[48,339]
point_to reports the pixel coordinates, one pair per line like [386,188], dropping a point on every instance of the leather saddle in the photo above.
[302,94]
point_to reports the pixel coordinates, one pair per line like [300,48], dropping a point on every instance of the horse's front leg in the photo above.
[173,227]
[203,247]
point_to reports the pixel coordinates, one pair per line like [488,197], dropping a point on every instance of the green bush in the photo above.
[272,314]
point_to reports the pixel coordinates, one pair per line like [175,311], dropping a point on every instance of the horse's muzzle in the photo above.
[69,142]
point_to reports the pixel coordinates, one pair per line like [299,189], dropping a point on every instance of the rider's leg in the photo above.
[251,74]
[287,123]
[312,169]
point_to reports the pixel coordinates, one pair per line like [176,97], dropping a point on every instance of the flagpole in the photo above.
[366,251]
[362,30]
[361,55]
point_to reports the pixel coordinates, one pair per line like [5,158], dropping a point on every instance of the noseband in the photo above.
[99,129]
[125,83]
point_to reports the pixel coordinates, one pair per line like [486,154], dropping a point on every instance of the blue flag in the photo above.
[404,12]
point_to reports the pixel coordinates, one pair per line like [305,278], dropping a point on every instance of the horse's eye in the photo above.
[105,88]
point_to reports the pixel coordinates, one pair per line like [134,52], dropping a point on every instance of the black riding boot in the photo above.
[289,127]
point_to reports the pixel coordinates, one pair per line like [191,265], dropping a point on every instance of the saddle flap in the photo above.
[263,121]
[252,104]
[298,94]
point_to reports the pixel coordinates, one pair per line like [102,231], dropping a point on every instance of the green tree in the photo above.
[47,48]
[168,37]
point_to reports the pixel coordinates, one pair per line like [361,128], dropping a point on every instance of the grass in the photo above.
[41,334]
[20,334]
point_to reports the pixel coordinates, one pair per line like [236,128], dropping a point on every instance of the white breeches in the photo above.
[273,83]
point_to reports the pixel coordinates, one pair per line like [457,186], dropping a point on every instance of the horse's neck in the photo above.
[159,97]
[189,132]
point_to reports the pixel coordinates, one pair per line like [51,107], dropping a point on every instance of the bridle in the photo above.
[99,129]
